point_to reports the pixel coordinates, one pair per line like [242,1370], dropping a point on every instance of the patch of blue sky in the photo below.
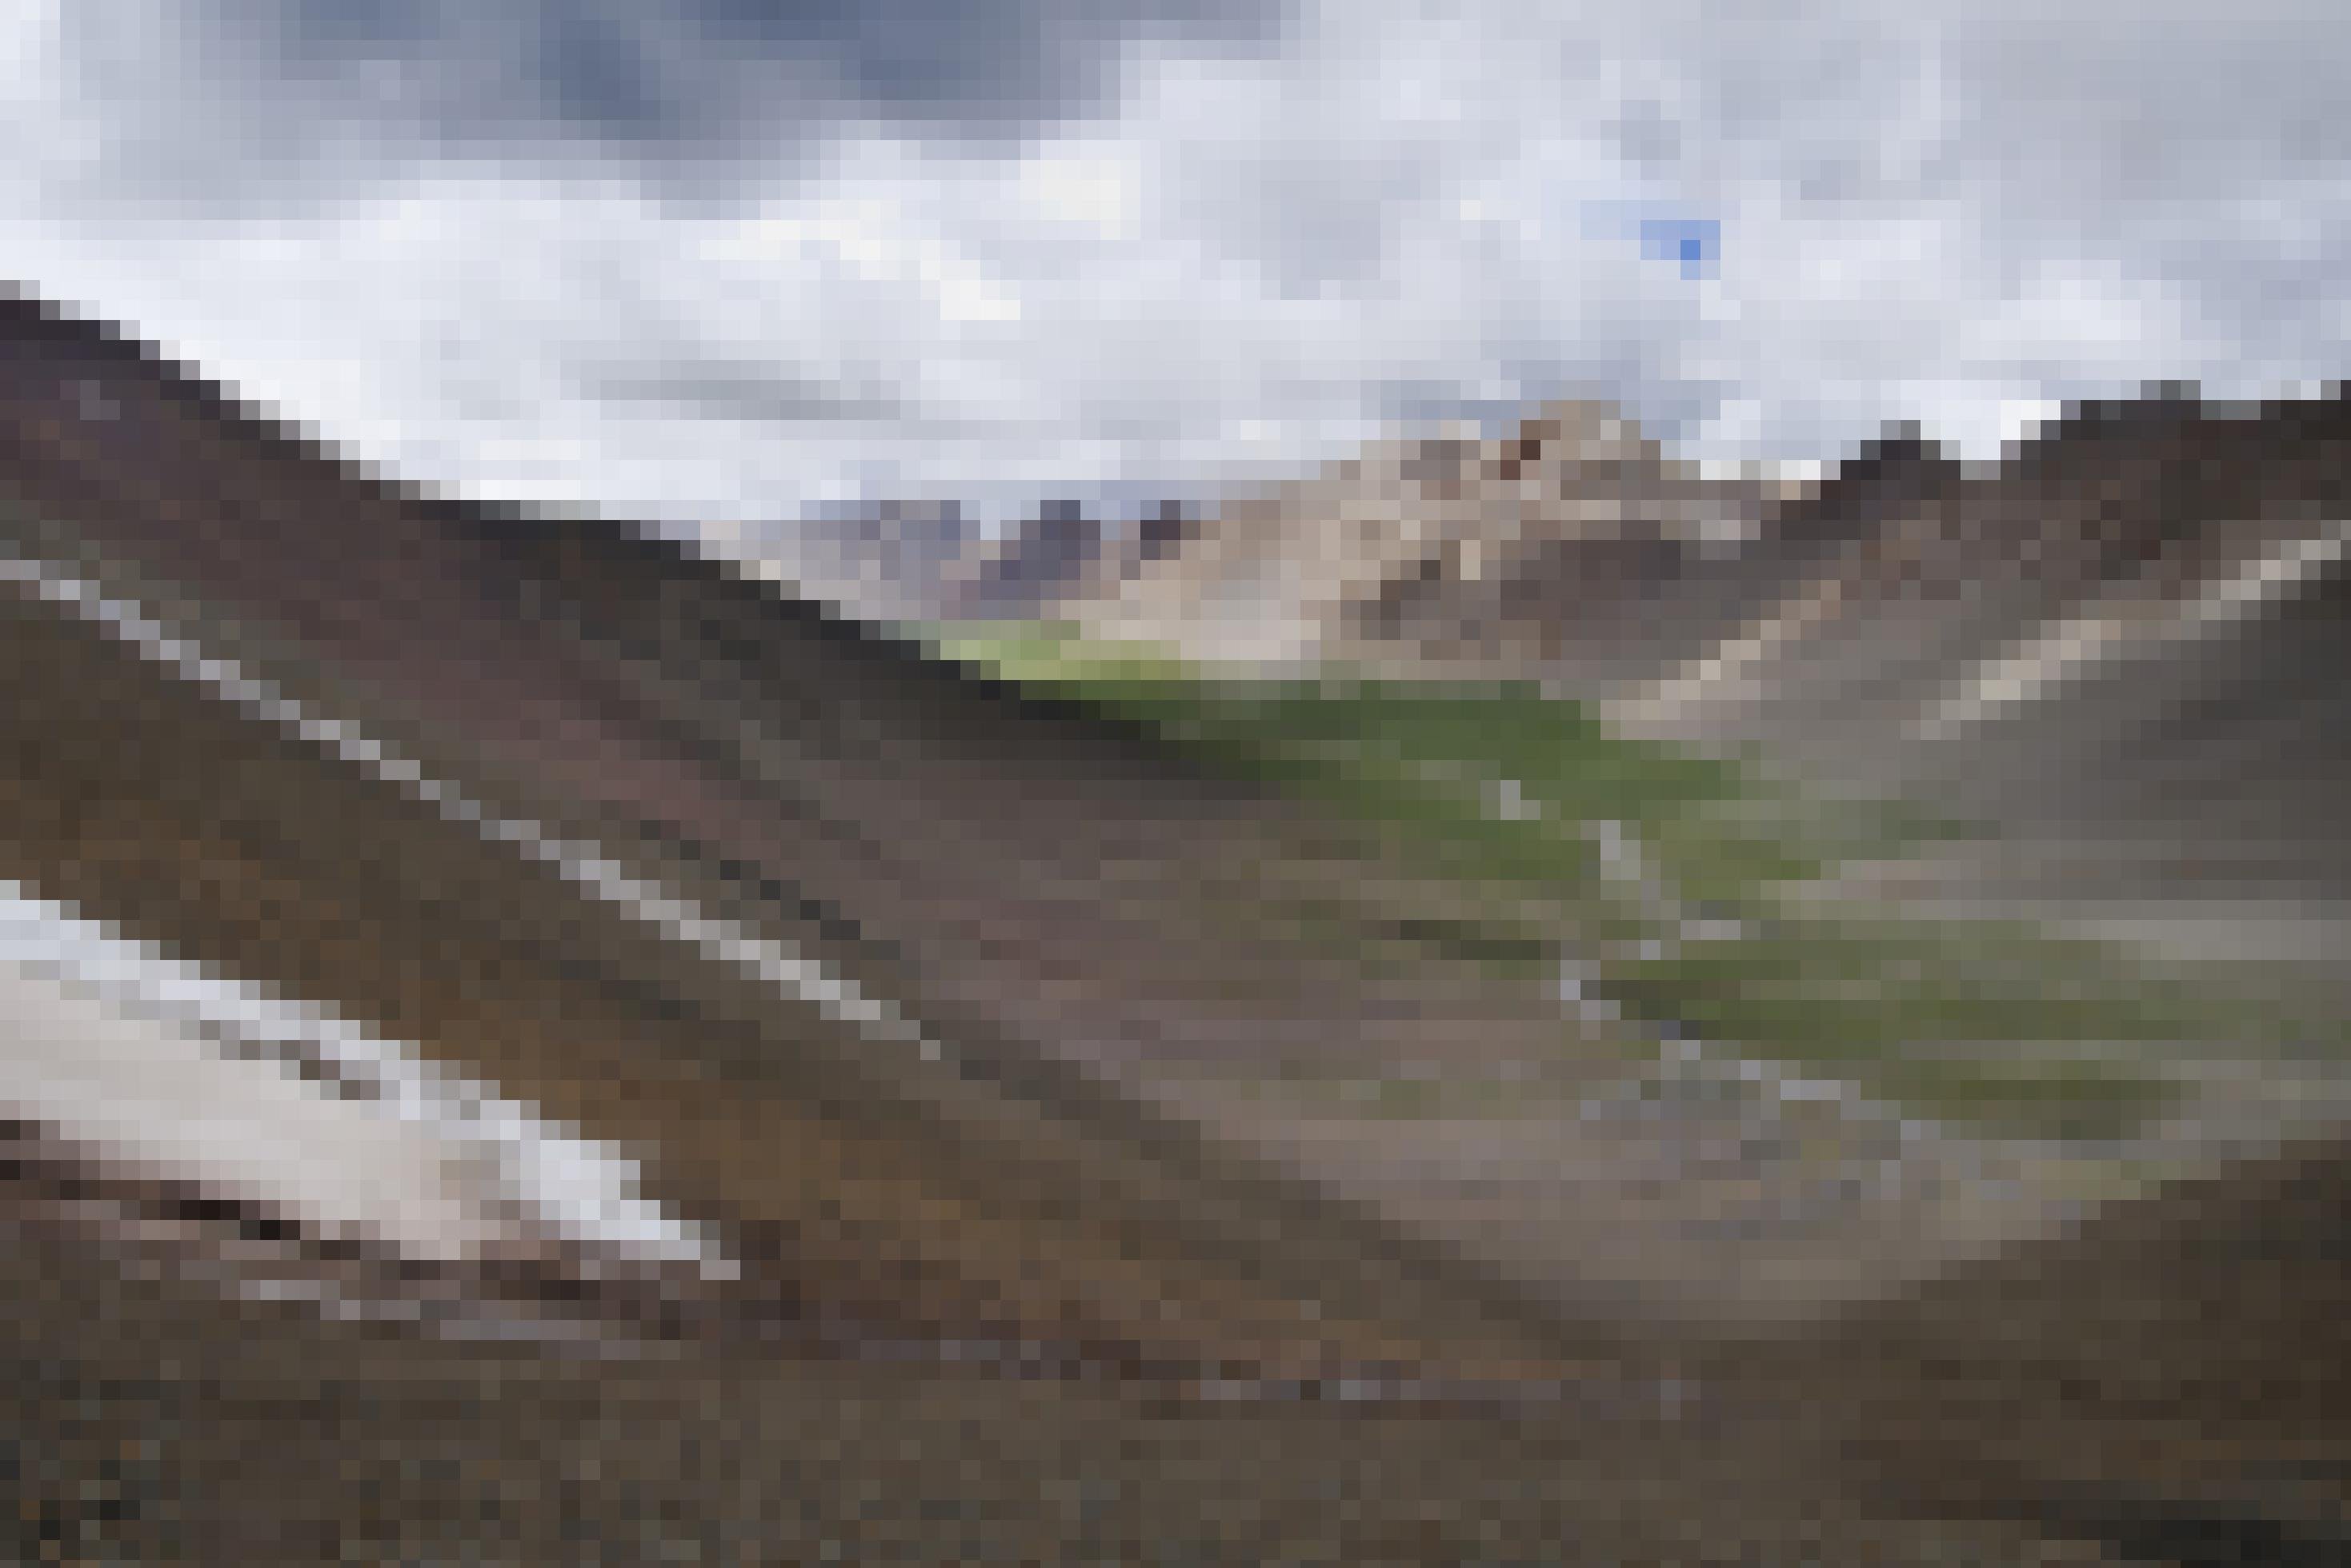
[1663,232]
[1694,245]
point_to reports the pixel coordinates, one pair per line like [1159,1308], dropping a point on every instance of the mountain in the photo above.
[1453,545]
[953,1024]
[905,830]
[2105,647]
[1040,559]
[889,561]
[909,564]
[2111,646]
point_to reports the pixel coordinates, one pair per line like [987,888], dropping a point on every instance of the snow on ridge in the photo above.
[156,1059]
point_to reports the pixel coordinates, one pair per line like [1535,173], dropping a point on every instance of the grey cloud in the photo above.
[1238,267]
[253,101]
[753,393]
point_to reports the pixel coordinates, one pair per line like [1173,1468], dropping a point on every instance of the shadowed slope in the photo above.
[904,800]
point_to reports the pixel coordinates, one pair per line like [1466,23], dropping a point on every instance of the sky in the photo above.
[732,261]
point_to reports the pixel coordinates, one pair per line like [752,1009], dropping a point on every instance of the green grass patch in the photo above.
[1487,789]
[1492,780]
[2059,1097]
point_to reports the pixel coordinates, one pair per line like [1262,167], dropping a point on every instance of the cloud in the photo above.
[701,261]
[271,99]
[753,393]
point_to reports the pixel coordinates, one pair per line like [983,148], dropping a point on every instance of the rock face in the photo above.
[1456,546]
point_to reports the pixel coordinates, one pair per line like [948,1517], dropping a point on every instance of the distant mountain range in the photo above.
[908,563]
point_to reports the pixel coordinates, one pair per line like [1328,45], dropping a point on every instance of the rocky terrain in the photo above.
[846,1103]
[1451,545]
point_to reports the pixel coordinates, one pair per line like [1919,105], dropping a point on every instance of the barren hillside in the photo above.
[1125,1118]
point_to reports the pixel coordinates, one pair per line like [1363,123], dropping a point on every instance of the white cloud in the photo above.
[1254,262]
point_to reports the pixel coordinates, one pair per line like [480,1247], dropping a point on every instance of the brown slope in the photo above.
[2133,507]
[150,1417]
[2175,501]
[2173,1380]
[910,803]
[1017,872]
[2114,653]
